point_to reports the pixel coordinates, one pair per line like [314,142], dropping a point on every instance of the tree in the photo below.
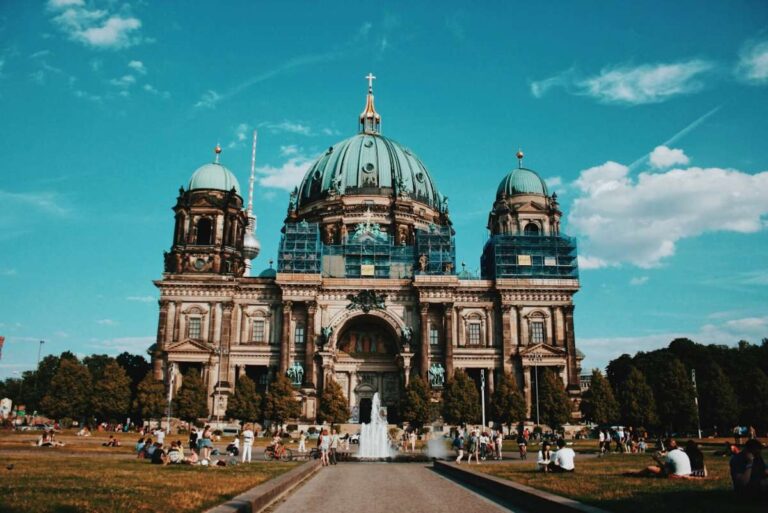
[461,400]
[507,403]
[598,404]
[135,366]
[637,407]
[69,392]
[244,404]
[753,398]
[718,405]
[674,394]
[415,404]
[192,399]
[150,398]
[280,403]
[111,398]
[333,405]
[554,406]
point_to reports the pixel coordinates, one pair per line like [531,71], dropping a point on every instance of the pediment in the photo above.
[189,346]
[532,206]
[542,351]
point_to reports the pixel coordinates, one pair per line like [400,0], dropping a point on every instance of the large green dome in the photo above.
[369,163]
[214,176]
[521,181]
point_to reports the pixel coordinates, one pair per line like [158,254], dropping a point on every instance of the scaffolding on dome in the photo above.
[300,249]
[368,258]
[529,256]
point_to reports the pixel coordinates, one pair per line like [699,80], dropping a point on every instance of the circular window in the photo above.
[317,175]
[420,177]
[368,168]
[199,263]
[368,143]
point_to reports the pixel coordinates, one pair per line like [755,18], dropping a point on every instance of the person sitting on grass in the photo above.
[112,442]
[175,454]
[233,449]
[84,431]
[673,464]
[544,457]
[563,459]
[149,449]
[158,455]
[139,446]
[698,469]
[748,471]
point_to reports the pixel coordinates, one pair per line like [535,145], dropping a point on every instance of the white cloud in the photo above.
[8,272]
[290,127]
[288,150]
[590,262]
[97,28]
[639,221]
[124,81]
[553,181]
[48,202]
[209,99]
[638,280]
[39,54]
[142,299]
[152,90]
[599,351]
[661,157]
[285,177]
[631,85]
[138,67]
[106,322]
[753,62]
[135,345]
[240,135]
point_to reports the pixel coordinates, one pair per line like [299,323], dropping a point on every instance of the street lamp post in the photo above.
[696,401]
[39,351]
[171,378]
[482,393]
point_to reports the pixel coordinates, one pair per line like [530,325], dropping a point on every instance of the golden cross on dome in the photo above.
[370,79]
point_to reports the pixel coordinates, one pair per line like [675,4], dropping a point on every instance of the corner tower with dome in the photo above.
[366,290]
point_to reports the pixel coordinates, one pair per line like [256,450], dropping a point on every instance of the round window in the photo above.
[368,143]
[199,263]
[420,177]
[368,168]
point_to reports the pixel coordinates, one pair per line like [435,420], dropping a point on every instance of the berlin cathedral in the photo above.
[366,290]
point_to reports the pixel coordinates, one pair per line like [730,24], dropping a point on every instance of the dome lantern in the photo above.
[370,120]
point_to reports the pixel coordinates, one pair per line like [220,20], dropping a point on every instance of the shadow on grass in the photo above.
[683,501]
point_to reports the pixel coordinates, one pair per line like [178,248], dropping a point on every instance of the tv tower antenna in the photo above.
[251,245]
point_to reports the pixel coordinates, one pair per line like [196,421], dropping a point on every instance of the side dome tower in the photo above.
[210,224]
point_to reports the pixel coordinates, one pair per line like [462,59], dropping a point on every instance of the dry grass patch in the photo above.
[600,482]
[64,483]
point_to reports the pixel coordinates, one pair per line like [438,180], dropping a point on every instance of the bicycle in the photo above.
[282,453]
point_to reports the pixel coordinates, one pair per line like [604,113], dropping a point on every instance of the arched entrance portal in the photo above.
[366,363]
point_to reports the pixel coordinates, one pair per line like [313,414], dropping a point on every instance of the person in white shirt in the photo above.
[247,442]
[601,442]
[498,443]
[159,435]
[335,441]
[563,459]
[302,442]
[675,463]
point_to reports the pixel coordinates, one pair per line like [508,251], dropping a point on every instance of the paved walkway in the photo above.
[384,488]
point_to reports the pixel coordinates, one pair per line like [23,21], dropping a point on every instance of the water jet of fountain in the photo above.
[374,439]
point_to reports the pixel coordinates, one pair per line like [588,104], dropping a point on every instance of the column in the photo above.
[570,347]
[157,360]
[507,314]
[448,318]
[309,355]
[558,323]
[527,391]
[425,341]
[522,327]
[226,338]
[488,326]
[244,338]
[489,373]
[176,320]
[211,321]
[285,343]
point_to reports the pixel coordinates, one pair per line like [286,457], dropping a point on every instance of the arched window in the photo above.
[204,231]
[531,229]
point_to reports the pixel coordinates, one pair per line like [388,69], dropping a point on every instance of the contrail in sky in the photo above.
[682,133]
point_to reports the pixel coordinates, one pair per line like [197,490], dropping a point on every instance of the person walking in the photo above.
[302,442]
[334,447]
[499,443]
[458,444]
[522,445]
[412,439]
[247,443]
[325,446]
[474,448]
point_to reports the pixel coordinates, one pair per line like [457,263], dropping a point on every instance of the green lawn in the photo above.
[85,477]
[600,482]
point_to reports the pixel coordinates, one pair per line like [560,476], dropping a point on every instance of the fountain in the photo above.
[374,439]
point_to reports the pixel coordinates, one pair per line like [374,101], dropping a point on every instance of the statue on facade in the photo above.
[406,336]
[423,261]
[436,375]
[325,336]
[366,300]
[295,373]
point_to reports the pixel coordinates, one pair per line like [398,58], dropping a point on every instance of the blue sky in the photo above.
[647,118]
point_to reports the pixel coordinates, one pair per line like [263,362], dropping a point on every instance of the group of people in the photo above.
[562,460]
[200,446]
[625,440]
[48,439]
[478,445]
[675,462]
[328,444]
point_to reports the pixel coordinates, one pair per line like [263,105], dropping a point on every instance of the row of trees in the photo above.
[655,389]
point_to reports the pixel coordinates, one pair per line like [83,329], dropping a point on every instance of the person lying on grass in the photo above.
[673,464]
[112,442]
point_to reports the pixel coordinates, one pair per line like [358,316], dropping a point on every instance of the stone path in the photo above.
[384,488]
